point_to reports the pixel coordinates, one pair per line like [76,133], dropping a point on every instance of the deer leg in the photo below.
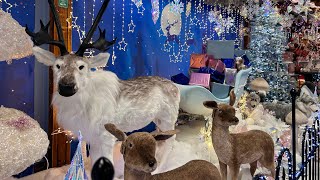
[253,167]
[234,171]
[223,170]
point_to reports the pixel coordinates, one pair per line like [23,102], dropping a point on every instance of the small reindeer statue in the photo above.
[139,149]
[86,100]
[242,148]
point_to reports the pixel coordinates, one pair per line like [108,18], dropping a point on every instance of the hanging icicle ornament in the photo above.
[176,7]
[211,16]
[188,9]
[76,170]
[15,42]
[155,11]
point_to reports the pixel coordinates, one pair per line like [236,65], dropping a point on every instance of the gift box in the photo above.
[220,49]
[230,76]
[193,70]
[200,79]
[180,79]
[215,76]
[229,63]
[217,65]
[198,60]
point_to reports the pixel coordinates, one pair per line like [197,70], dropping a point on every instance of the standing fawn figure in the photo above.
[241,148]
[139,149]
[86,99]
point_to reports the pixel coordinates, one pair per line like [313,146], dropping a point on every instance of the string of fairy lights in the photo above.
[196,15]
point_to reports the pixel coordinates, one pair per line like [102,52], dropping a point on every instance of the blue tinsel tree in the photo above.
[267,47]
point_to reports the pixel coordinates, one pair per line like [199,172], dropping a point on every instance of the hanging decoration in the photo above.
[113,57]
[138,3]
[15,42]
[170,22]
[188,9]
[77,170]
[155,11]
[211,16]
[122,44]
[176,7]
[131,25]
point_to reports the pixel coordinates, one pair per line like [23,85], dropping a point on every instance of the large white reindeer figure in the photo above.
[86,100]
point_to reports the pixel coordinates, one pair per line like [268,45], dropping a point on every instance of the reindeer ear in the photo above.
[44,56]
[210,104]
[99,60]
[121,136]
[160,136]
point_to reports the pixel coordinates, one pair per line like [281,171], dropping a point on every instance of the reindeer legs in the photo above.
[234,171]
[253,167]
[223,170]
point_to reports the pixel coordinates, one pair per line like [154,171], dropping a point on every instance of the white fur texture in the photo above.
[44,56]
[98,103]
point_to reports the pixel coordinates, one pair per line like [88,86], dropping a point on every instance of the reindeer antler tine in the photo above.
[85,44]
[30,33]
[41,24]
[63,49]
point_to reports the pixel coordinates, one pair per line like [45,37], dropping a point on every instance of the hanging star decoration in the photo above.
[160,32]
[205,39]
[167,47]
[199,8]
[190,35]
[141,10]
[8,9]
[122,44]
[185,47]
[194,21]
[138,3]
[131,26]
[176,7]
[211,16]
[77,170]
[175,58]
[188,9]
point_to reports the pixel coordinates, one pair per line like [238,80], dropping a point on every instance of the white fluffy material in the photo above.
[44,56]
[22,142]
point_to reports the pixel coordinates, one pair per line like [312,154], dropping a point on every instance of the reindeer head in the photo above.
[139,148]
[223,114]
[71,71]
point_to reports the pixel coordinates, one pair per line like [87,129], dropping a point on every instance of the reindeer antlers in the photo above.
[101,44]
[43,37]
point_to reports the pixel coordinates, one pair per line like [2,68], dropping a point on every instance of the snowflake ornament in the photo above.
[176,7]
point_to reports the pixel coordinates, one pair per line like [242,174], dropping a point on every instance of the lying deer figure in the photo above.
[139,149]
[241,148]
[86,99]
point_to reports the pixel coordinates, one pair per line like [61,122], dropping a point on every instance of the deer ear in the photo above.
[99,60]
[160,136]
[121,136]
[210,104]
[44,56]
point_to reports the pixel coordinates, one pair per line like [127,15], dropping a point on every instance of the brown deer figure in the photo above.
[139,150]
[241,148]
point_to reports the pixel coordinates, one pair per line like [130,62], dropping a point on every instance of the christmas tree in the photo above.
[267,46]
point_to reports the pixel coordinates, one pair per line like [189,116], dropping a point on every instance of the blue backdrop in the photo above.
[145,52]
